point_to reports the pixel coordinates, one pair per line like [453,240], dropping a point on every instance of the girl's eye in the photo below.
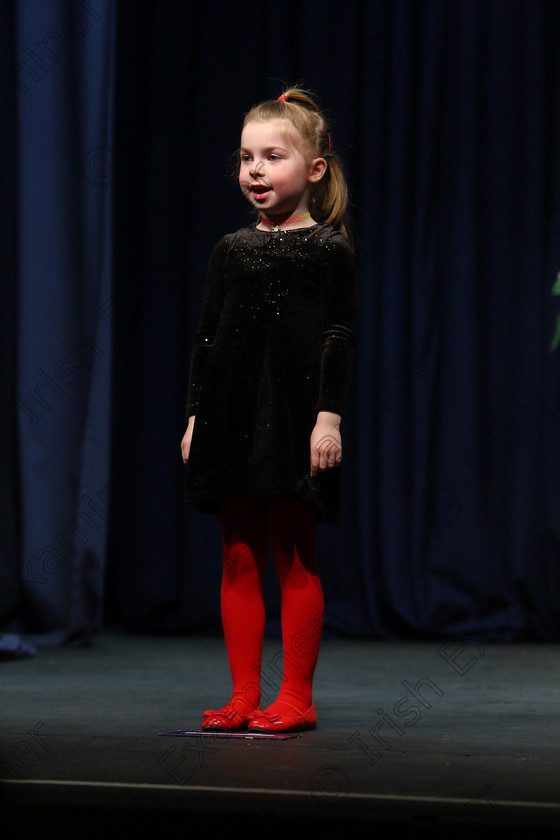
[274,157]
[245,158]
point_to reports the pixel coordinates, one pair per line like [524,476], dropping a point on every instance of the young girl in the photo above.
[268,387]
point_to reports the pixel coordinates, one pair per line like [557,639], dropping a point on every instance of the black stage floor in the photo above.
[439,739]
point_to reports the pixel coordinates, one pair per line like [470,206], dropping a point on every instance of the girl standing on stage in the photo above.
[268,386]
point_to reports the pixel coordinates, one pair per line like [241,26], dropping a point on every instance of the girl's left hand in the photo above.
[326,443]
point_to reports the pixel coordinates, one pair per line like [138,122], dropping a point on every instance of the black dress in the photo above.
[274,346]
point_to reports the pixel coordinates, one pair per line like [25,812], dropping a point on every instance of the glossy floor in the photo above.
[437,738]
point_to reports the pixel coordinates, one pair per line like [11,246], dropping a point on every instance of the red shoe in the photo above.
[287,722]
[228,719]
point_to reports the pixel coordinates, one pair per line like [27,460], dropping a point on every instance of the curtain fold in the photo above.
[64,83]
[10,588]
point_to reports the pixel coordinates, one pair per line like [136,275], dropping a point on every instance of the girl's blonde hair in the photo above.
[328,198]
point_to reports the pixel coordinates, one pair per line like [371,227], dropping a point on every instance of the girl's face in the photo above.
[274,172]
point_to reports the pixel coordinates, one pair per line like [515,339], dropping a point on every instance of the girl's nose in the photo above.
[257,168]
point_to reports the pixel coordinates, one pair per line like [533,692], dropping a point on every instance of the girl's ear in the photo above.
[317,170]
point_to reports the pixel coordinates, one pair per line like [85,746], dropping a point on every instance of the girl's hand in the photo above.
[187,437]
[326,443]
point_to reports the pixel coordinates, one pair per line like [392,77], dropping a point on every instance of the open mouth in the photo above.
[259,191]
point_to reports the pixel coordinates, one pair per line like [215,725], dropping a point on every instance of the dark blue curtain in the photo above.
[445,113]
[60,354]
[9,512]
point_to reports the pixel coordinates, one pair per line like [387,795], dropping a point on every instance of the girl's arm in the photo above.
[339,316]
[204,340]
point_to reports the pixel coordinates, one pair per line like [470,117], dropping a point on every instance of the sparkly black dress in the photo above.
[275,345]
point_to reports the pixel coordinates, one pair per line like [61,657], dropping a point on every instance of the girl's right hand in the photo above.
[187,437]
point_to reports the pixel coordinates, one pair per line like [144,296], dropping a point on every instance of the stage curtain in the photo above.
[62,77]
[445,114]
[10,589]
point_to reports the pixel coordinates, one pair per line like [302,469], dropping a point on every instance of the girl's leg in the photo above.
[292,526]
[245,552]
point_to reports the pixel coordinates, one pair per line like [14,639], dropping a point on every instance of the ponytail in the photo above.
[328,198]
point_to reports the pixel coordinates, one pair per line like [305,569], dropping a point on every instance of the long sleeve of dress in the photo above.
[208,323]
[339,313]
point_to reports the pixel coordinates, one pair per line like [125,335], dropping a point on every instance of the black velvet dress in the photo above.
[274,346]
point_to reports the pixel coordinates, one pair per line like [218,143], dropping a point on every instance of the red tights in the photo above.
[247,525]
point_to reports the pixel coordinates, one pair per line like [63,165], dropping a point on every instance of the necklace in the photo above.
[290,220]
